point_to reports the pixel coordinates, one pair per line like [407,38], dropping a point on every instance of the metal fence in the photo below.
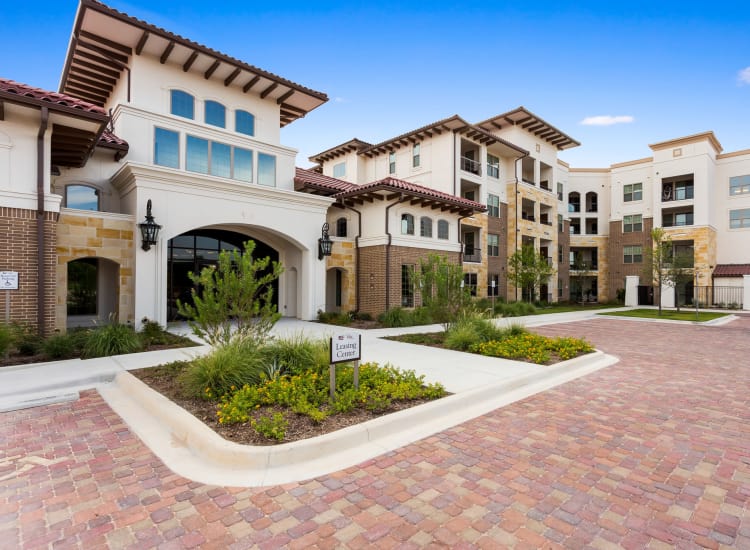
[730,297]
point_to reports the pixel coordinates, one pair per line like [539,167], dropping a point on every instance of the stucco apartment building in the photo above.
[151,129]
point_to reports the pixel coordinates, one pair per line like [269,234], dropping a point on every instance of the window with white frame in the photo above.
[392,162]
[166,148]
[407,224]
[632,224]
[218,159]
[493,245]
[266,169]
[415,155]
[739,185]
[339,170]
[443,229]
[425,227]
[493,206]
[182,104]
[632,192]
[739,219]
[493,166]
[244,123]
[216,114]
[560,194]
[632,254]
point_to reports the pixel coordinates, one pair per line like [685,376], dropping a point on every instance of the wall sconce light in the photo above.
[149,229]
[325,244]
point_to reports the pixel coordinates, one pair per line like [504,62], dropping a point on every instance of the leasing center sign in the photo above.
[346,347]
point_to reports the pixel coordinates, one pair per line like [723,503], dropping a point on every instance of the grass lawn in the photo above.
[565,308]
[683,315]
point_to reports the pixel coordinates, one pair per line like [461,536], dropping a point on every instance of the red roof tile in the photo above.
[412,189]
[37,95]
[110,140]
[731,270]
[317,181]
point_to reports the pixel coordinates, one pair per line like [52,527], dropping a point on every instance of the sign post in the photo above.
[8,282]
[344,348]
[492,284]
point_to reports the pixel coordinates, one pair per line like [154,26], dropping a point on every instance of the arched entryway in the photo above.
[93,291]
[195,250]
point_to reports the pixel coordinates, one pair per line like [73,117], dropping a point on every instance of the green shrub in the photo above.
[461,337]
[271,427]
[60,346]
[26,340]
[421,316]
[308,393]
[395,317]
[334,318]
[152,333]
[516,309]
[296,354]
[6,339]
[360,316]
[226,368]
[513,329]
[112,339]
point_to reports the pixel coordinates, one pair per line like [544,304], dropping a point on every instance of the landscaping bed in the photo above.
[20,345]
[480,336]
[668,314]
[165,380]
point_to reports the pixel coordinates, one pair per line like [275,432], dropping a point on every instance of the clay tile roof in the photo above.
[412,189]
[731,270]
[317,182]
[110,140]
[38,96]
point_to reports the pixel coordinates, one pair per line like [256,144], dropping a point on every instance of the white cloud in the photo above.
[606,120]
[340,100]
[743,77]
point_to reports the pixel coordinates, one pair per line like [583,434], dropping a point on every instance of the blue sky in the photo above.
[652,70]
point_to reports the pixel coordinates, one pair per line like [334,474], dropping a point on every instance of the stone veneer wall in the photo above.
[97,235]
[18,252]
[563,267]
[344,257]
[600,242]
[497,265]
[618,270]
[372,282]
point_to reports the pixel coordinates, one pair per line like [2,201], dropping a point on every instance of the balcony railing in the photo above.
[586,267]
[472,255]
[527,217]
[471,166]
[528,181]
[545,222]
[545,185]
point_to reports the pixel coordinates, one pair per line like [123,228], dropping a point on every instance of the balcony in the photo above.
[545,185]
[471,166]
[677,189]
[472,255]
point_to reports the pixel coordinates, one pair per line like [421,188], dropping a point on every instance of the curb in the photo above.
[195,451]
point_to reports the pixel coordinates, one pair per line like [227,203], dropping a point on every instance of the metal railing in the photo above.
[730,297]
[472,255]
[471,166]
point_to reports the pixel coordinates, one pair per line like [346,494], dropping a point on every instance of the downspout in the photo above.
[526,154]
[455,181]
[388,252]
[40,242]
[356,258]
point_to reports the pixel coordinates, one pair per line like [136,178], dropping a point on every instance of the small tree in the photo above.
[233,298]
[679,273]
[528,269]
[439,282]
[657,259]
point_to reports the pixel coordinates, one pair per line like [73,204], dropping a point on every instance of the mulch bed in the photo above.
[164,380]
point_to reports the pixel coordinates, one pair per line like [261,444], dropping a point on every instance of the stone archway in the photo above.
[93,291]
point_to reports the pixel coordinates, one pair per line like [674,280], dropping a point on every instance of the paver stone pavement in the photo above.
[651,452]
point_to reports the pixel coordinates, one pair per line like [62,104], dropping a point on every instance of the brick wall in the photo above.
[18,252]
[372,279]
[618,270]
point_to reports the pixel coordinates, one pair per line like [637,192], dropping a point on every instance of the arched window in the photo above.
[216,114]
[82,197]
[407,224]
[341,227]
[182,104]
[244,123]
[443,229]
[425,227]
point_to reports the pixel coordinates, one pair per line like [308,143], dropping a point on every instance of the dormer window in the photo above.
[216,114]
[244,123]
[182,104]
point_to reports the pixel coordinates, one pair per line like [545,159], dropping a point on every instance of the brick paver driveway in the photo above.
[652,452]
